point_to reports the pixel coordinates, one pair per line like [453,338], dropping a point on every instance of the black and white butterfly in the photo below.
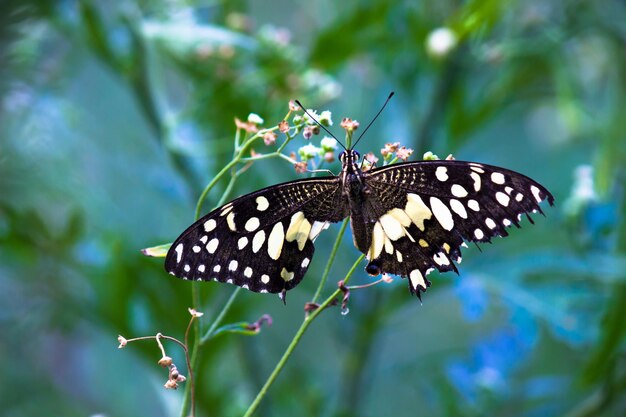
[407,218]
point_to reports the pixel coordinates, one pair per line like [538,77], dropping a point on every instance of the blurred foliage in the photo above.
[116,114]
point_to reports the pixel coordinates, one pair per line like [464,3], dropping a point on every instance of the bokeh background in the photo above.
[114,116]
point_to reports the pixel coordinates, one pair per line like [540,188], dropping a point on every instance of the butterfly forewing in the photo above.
[419,213]
[261,241]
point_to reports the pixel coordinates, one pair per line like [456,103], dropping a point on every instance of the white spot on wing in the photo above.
[257,241]
[179,252]
[502,198]
[417,210]
[305,262]
[417,279]
[441,259]
[536,193]
[441,173]
[497,178]
[230,219]
[217,268]
[477,168]
[252,224]
[196,248]
[458,191]
[378,241]
[209,225]
[519,197]
[317,228]
[242,242]
[187,268]
[392,227]
[201,268]
[442,213]
[479,234]
[247,272]
[490,223]
[261,203]
[477,181]
[458,208]
[232,266]
[286,275]
[211,247]
[298,230]
[275,241]
[473,204]
[265,279]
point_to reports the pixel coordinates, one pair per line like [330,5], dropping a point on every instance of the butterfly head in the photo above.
[349,160]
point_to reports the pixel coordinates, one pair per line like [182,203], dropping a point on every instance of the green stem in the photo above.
[214,181]
[296,339]
[209,333]
[331,259]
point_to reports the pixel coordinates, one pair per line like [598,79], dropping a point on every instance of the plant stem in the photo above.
[209,333]
[331,259]
[294,342]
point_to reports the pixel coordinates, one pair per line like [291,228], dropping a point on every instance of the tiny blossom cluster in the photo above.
[309,151]
[328,144]
[349,125]
[174,377]
[324,118]
[401,152]
[247,126]
[429,156]
[269,138]
[369,161]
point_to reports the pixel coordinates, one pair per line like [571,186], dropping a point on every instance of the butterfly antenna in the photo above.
[374,119]
[319,124]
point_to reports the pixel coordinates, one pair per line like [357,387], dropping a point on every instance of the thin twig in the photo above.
[331,259]
[294,342]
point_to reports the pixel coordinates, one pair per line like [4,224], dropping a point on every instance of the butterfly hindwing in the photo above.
[261,241]
[420,213]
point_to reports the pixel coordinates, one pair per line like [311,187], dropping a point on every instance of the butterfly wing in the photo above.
[261,241]
[418,214]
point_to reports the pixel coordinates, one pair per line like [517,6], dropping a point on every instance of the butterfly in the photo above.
[407,218]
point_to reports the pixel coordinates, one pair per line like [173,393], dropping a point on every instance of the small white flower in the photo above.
[328,144]
[441,41]
[429,156]
[309,151]
[326,118]
[313,114]
[255,118]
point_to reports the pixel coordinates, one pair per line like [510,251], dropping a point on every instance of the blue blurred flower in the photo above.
[494,358]
[474,299]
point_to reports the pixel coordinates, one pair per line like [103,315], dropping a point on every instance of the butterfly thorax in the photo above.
[351,175]
[355,191]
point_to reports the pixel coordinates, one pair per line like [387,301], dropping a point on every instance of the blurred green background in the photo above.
[114,116]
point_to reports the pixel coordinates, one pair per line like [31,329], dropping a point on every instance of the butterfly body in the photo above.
[407,218]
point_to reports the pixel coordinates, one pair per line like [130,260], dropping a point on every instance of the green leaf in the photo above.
[159,251]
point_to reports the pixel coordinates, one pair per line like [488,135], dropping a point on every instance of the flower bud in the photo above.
[122,340]
[171,384]
[165,361]
[255,119]
[269,138]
